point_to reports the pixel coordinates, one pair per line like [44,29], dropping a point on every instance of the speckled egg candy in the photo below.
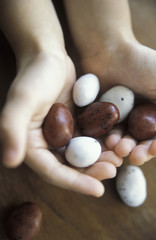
[83,151]
[131,185]
[86,89]
[122,97]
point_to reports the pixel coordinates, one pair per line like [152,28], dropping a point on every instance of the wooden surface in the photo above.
[68,215]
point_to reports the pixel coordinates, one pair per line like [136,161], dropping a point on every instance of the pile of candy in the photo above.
[95,119]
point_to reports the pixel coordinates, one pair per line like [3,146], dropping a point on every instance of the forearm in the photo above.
[30,26]
[98,20]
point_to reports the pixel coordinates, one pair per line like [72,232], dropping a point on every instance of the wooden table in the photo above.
[68,215]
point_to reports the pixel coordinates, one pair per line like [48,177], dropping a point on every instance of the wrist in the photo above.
[108,42]
[26,55]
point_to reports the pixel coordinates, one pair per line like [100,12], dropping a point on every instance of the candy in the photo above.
[122,97]
[24,222]
[142,121]
[58,126]
[131,185]
[83,151]
[85,90]
[98,119]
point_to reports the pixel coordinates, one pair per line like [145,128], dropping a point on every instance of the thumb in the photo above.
[14,121]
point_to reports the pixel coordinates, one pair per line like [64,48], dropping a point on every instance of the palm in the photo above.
[131,66]
[52,166]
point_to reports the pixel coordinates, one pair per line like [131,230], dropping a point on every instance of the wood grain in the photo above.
[68,215]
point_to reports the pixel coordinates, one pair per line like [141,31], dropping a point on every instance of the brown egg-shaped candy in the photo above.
[142,121]
[24,222]
[98,119]
[58,126]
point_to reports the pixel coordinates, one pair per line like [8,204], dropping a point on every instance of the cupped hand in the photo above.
[36,87]
[52,167]
[132,65]
[40,83]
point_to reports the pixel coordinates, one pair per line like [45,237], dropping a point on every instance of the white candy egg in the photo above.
[131,185]
[86,89]
[122,97]
[83,151]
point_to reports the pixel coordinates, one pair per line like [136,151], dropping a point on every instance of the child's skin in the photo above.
[103,34]
[46,74]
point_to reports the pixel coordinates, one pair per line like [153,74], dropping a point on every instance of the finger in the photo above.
[111,157]
[105,167]
[152,148]
[125,146]
[14,122]
[102,170]
[113,138]
[140,153]
[47,166]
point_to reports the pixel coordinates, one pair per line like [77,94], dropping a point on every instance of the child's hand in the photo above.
[109,49]
[42,82]
[133,66]
[45,76]
[53,168]
[35,88]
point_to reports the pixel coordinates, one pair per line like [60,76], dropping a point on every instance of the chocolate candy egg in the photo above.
[58,126]
[122,97]
[83,151]
[98,119]
[142,121]
[24,222]
[86,89]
